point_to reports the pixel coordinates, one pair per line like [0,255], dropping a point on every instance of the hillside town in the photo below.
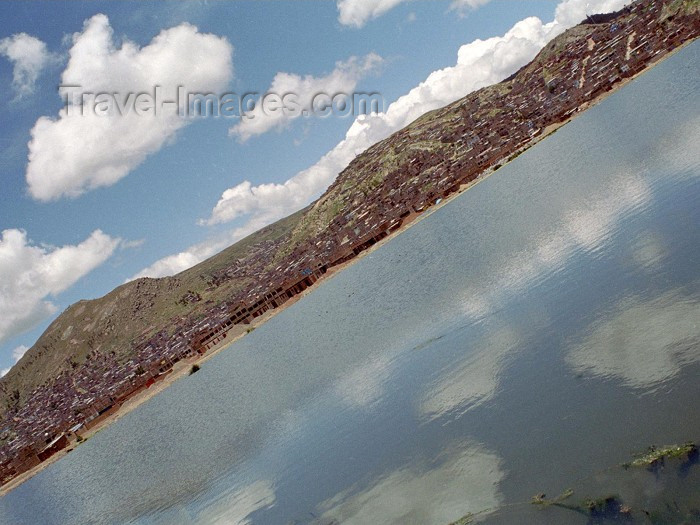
[381,191]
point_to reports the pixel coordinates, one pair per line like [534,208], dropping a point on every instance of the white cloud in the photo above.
[29,56]
[357,13]
[176,263]
[479,64]
[18,352]
[570,12]
[29,274]
[131,245]
[342,79]
[75,153]
[173,264]
[463,5]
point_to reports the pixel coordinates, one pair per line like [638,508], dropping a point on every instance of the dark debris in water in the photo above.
[673,508]
[608,507]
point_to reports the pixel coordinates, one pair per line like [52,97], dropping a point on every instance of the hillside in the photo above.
[111,323]
[148,323]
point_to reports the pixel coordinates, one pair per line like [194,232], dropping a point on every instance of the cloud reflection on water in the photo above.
[643,342]
[437,491]
[365,385]
[586,227]
[235,508]
[474,380]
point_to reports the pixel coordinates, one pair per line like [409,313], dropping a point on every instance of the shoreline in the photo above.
[183,368]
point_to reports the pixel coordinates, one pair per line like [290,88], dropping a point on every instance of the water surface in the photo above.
[537,330]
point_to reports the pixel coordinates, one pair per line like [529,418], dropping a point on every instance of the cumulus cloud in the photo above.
[80,151]
[342,79]
[29,57]
[30,274]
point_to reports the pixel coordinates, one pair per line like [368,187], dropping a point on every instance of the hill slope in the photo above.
[111,323]
[383,187]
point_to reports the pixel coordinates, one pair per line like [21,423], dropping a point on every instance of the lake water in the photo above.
[537,330]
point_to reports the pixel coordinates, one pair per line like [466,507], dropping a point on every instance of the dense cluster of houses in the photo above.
[381,190]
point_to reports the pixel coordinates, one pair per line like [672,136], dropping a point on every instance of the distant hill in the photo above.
[400,175]
[111,323]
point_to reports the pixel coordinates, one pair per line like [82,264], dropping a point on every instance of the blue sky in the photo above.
[64,240]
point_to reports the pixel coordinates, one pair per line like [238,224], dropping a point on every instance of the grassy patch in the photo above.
[541,499]
[655,456]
